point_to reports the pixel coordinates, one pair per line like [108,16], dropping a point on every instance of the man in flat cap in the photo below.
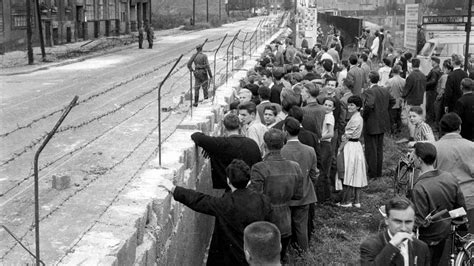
[201,71]
[431,84]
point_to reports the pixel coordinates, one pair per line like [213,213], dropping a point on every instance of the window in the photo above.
[101,9]
[90,11]
[112,14]
[18,18]
[19,22]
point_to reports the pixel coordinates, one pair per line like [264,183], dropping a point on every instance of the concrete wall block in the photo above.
[146,252]
[126,254]
[161,208]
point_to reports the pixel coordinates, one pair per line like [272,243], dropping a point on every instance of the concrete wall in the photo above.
[144,226]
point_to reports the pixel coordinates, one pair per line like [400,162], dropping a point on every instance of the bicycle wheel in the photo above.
[402,179]
[466,256]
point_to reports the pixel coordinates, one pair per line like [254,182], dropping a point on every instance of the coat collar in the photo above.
[428,174]
[273,156]
[452,135]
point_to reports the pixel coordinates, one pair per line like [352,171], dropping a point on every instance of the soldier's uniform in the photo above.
[140,37]
[150,36]
[201,71]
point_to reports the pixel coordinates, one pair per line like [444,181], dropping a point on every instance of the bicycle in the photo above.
[462,247]
[403,179]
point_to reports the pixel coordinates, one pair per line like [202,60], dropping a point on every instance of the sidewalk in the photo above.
[16,62]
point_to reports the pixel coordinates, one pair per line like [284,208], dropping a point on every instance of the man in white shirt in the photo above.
[384,72]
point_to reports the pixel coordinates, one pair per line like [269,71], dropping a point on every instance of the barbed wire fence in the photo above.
[179,80]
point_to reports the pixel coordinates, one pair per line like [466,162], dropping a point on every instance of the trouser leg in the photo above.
[347,197]
[196,90]
[285,241]
[310,220]
[356,194]
[371,155]
[430,99]
[299,221]
[379,146]
[205,88]
[326,158]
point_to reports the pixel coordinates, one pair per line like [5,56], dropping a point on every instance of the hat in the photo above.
[436,59]
[199,47]
[426,151]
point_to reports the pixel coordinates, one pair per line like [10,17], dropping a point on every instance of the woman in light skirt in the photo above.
[355,176]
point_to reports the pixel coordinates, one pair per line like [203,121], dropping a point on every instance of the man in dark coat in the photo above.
[431,84]
[377,104]
[414,90]
[307,137]
[465,109]
[234,211]
[356,78]
[305,156]
[141,33]
[281,180]
[397,246]
[453,91]
[201,71]
[222,150]
[434,190]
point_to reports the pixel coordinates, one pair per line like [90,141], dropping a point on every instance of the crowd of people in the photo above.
[307,126]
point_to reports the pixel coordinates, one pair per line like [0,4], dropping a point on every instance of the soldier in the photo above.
[140,36]
[201,70]
[150,35]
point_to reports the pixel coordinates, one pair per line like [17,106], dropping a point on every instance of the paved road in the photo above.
[104,142]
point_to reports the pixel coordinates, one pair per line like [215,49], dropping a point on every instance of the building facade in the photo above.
[65,21]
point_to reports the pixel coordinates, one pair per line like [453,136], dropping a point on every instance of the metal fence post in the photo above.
[227,56]
[159,107]
[233,43]
[215,65]
[40,149]
[243,46]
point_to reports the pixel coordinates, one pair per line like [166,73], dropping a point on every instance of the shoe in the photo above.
[347,205]
[195,104]
[357,205]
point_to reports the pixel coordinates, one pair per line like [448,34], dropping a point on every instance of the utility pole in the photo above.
[40,29]
[29,33]
[468,33]
[207,10]
[295,23]
[194,12]
[220,16]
